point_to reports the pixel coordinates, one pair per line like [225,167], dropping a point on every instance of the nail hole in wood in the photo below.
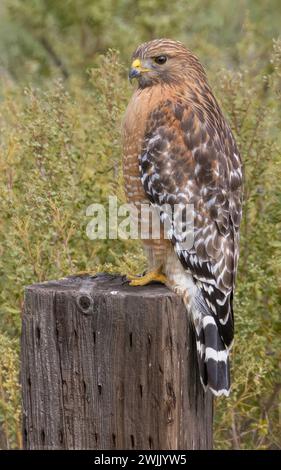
[114,439]
[169,414]
[131,340]
[100,388]
[150,442]
[141,390]
[171,341]
[171,393]
[132,441]
[42,434]
[38,334]
[94,337]
[61,436]
[149,339]
[96,437]
[84,303]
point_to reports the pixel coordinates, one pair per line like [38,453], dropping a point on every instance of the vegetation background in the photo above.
[63,91]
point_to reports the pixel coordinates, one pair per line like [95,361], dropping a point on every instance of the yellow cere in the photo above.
[136,64]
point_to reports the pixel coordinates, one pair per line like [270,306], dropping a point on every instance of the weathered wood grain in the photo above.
[109,366]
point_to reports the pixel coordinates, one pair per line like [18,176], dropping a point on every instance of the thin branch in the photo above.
[271,401]
[236,444]
[54,56]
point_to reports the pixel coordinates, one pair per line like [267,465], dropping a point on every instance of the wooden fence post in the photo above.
[109,366]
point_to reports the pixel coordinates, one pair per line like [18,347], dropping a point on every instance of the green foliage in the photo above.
[251,417]
[10,411]
[60,151]
[42,38]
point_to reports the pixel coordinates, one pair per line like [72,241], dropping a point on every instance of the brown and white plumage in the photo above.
[178,149]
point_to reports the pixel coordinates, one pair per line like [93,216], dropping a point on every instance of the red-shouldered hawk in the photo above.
[178,149]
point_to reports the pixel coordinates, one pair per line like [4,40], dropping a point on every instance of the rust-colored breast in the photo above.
[133,132]
[134,127]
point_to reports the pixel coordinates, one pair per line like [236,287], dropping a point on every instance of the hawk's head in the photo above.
[164,61]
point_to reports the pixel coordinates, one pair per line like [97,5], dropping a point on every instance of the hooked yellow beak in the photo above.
[137,69]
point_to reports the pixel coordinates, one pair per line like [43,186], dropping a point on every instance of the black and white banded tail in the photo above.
[214,337]
[213,358]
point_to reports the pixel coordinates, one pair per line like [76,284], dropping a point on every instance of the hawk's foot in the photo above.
[155,275]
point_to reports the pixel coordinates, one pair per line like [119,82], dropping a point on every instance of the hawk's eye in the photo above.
[161,59]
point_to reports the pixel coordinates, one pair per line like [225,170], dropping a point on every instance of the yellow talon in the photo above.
[132,277]
[151,276]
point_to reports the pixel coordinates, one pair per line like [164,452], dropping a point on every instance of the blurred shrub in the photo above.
[60,152]
[250,417]
[10,412]
[47,38]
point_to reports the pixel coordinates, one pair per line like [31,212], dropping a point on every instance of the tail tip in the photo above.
[218,392]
